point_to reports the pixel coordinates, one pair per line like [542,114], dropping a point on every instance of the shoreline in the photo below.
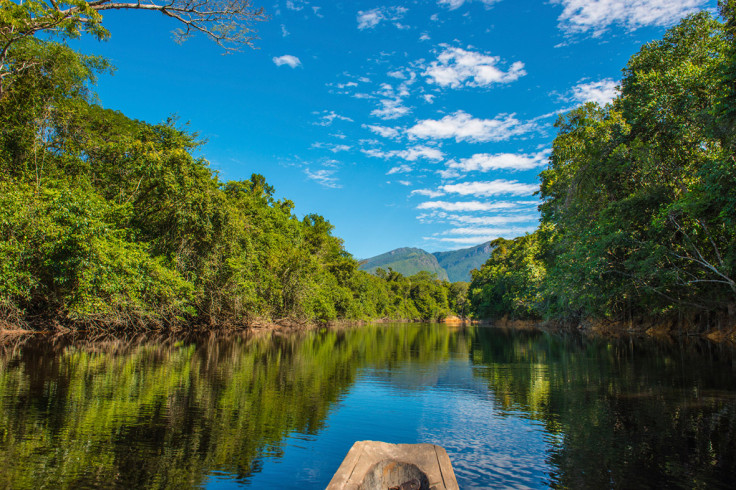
[284,325]
[662,329]
[655,329]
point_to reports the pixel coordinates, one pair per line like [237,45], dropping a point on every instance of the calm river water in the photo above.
[512,409]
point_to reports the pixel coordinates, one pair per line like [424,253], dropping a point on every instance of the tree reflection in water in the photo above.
[628,413]
[172,412]
[162,413]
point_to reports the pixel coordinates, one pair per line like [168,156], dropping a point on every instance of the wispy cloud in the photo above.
[456,67]
[492,188]
[384,131]
[324,177]
[484,162]
[489,231]
[331,147]
[410,154]
[454,4]
[392,98]
[464,127]
[326,118]
[296,5]
[601,92]
[596,16]
[467,206]
[391,109]
[369,19]
[288,60]
[426,192]
[401,169]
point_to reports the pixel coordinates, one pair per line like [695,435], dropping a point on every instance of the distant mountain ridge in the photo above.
[452,266]
[407,261]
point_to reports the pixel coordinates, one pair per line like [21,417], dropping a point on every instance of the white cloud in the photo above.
[287,59]
[401,169]
[426,192]
[296,5]
[449,174]
[410,154]
[464,127]
[596,16]
[514,230]
[328,117]
[424,37]
[453,4]
[601,92]
[391,109]
[284,32]
[482,238]
[404,182]
[492,220]
[464,240]
[331,147]
[456,67]
[324,177]
[492,188]
[383,131]
[371,18]
[484,162]
[466,205]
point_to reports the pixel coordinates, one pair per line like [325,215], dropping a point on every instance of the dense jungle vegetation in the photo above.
[639,197]
[110,221]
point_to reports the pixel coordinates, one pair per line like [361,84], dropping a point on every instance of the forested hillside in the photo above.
[454,265]
[639,198]
[407,261]
[460,263]
[109,221]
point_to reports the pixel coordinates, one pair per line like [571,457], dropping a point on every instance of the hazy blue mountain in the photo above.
[454,265]
[459,263]
[407,261]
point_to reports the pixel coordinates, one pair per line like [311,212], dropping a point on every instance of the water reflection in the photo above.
[165,413]
[627,414]
[521,409]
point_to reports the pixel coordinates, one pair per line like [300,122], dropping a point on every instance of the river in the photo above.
[520,409]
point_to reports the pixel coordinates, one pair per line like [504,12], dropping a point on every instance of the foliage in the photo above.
[110,221]
[509,283]
[638,198]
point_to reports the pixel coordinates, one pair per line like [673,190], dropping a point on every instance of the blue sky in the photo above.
[418,123]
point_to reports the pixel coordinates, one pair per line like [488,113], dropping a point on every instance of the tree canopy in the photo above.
[638,200]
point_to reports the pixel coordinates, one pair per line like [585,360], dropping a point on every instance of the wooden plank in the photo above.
[448,473]
[342,476]
[368,456]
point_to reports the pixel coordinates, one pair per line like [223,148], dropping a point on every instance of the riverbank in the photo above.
[723,331]
[50,326]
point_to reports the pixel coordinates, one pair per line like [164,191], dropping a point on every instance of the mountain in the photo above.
[454,265]
[459,263]
[407,261]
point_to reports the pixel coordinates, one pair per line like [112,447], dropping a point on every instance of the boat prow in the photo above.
[372,465]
